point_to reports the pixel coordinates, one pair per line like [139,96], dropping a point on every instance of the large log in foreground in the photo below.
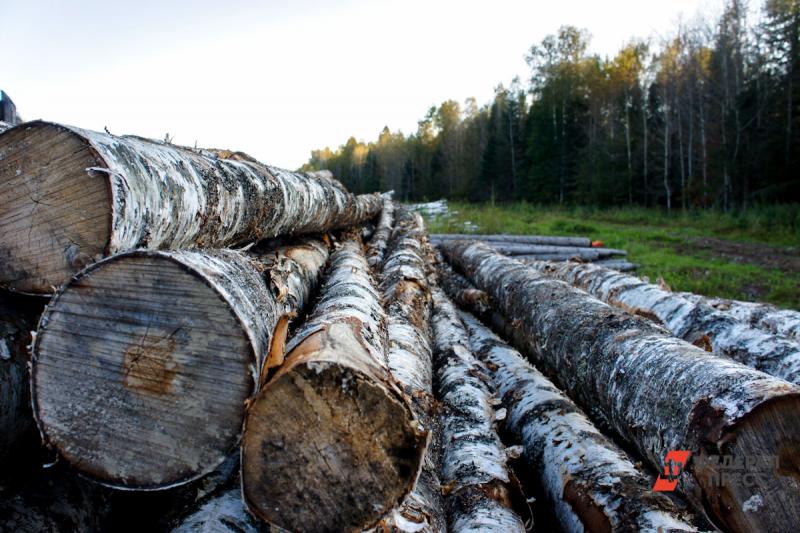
[656,392]
[406,292]
[591,483]
[474,461]
[142,364]
[330,443]
[693,322]
[69,197]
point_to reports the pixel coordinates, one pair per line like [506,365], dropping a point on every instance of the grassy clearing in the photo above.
[669,245]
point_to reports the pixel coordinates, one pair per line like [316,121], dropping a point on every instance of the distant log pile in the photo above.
[226,346]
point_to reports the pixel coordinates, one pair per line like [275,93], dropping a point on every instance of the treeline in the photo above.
[705,118]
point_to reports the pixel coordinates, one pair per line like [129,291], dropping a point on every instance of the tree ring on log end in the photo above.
[753,481]
[326,448]
[55,214]
[141,372]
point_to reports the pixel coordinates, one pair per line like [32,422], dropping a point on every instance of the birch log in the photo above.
[656,392]
[4,126]
[69,197]
[380,238]
[696,323]
[18,317]
[537,249]
[763,316]
[591,484]
[461,290]
[330,443]
[583,242]
[223,513]
[142,364]
[406,292]
[588,256]
[474,471]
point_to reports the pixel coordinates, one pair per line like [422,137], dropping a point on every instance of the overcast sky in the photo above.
[278,79]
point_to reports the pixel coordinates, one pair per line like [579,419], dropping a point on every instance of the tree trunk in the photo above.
[582,242]
[590,482]
[656,392]
[224,513]
[474,470]
[87,195]
[330,442]
[462,292]
[142,363]
[766,317]
[693,322]
[18,316]
[380,239]
[406,292]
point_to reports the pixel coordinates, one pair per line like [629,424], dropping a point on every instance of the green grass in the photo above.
[661,242]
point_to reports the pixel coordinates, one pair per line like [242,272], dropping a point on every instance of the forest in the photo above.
[706,117]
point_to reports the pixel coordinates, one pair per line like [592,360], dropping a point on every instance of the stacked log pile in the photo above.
[546,248]
[208,343]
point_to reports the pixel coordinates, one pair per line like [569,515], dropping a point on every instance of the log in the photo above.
[479,485]
[617,264]
[461,290]
[330,443]
[761,315]
[18,316]
[69,197]
[591,484]
[142,363]
[406,291]
[655,392]
[541,249]
[582,242]
[587,256]
[223,513]
[4,126]
[696,323]
[380,239]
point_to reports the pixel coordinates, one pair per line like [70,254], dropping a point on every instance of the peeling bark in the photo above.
[380,238]
[583,242]
[17,318]
[474,471]
[590,482]
[693,322]
[406,294]
[656,392]
[330,442]
[763,316]
[142,363]
[224,513]
[113,194]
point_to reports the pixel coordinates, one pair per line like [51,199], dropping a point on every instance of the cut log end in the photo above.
[754,483]
[55,216]
[130,364]
[352,447]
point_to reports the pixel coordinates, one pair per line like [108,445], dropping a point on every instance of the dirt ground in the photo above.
[785,259]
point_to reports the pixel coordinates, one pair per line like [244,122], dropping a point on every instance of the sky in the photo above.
[278,79]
